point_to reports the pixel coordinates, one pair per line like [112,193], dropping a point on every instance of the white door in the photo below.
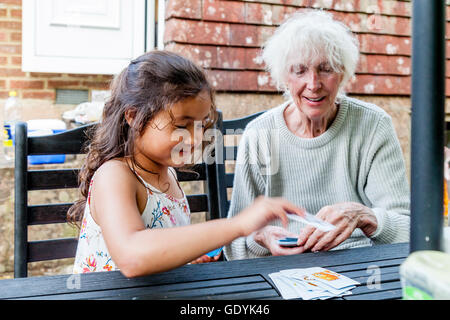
[82,36]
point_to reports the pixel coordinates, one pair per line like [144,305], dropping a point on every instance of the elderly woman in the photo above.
[337,157]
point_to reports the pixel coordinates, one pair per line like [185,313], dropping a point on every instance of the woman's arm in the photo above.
[387,186]
[384,216]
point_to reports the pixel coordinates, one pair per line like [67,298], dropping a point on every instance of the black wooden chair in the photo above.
[27,179]
[224,153]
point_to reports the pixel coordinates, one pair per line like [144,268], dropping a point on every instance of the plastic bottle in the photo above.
[12,114]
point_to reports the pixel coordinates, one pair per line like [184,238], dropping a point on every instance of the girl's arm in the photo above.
[139,251]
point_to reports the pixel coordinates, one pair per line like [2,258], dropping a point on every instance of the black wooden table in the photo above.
[376,268]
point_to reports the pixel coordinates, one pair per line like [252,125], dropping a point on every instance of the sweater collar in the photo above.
[310,143]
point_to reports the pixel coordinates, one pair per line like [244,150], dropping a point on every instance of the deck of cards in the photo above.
[312,283]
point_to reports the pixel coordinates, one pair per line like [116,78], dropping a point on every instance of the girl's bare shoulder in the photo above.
[115,172]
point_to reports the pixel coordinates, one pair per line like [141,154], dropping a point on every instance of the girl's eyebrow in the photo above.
[191,118]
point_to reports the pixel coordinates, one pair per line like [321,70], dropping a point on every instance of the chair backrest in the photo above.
[27,179]
[225,152]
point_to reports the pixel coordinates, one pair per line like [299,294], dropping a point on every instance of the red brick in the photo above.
[204,56]
[229,11]
[264,33]
[11,72]
[225,80]
[231,58]
[14,2]
[16,36]
[3,12]
[12,25]
[3,61]
[370,43]
[188,31]
[62,83]
[258,13]
[375,23]
[244,35]
[16,61]
[281,13]
[10,49]
[386,7]
[382,85]
[27,84]
[265,82]
[100,85]
[253,60]
[380,64]
[81,76]
[16,13]
[47,95]
[3,36]
[44,75]
[191,9]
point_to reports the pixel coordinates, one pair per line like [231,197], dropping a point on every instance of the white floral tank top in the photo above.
[161,211]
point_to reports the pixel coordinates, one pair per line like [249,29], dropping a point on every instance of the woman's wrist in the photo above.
[258,237]
[368,222]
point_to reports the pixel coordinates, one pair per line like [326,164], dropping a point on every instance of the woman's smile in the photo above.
[314,101]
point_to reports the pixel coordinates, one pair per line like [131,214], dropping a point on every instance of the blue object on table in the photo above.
[39,127]
[215,252]
[48,158]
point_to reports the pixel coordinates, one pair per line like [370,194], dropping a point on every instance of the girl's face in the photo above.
[173,138]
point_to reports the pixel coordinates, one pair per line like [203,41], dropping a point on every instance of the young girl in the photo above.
[134,215]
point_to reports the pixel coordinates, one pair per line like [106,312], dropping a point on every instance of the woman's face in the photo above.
[314,87]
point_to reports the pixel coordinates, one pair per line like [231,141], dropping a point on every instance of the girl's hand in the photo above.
[262,211]
[268,237]
[204,258]
[346,216]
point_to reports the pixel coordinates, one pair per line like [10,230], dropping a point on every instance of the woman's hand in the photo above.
[346,216]
[268,237]
[262,211]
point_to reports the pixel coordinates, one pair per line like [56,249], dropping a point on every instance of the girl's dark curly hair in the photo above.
[151,83]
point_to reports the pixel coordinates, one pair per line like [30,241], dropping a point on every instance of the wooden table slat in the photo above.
[205,293]
[379,295]
[226,279]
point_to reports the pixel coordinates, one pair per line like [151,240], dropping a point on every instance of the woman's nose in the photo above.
[313,81]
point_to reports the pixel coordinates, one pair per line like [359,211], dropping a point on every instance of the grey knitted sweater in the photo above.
[357,159]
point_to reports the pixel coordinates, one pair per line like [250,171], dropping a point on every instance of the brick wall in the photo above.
[29,85]
[225,37]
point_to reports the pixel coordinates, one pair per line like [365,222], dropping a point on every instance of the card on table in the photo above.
[312,283]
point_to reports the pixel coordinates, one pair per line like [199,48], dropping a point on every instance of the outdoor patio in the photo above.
[402,43]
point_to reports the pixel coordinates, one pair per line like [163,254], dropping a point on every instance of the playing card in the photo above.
[330,278]
[313,221]
[312,283]
[286,287]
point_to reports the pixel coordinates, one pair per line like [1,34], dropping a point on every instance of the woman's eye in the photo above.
[179,126]
[298,69]
[325,68]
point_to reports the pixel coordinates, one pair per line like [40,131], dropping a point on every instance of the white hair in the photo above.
[306,36]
